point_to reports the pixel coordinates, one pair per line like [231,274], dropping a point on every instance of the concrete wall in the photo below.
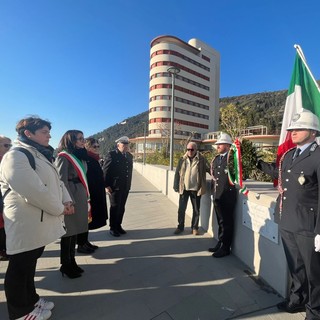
[264,257]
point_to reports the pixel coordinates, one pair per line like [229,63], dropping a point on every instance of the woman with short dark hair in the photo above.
[35,202]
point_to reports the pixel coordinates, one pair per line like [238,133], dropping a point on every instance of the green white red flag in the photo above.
[303,93]
[237,164]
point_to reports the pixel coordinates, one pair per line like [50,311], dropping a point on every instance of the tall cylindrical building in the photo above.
[196,90]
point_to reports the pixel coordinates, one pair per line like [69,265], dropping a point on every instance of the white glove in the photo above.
[317,243]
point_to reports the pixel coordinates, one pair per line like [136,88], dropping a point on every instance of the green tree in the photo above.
[232,120]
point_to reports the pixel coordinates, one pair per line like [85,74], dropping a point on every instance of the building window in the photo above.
[181,67]
[178,54]
[184,79]
[205,58]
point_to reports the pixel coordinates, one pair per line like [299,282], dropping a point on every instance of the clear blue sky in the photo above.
[84,64]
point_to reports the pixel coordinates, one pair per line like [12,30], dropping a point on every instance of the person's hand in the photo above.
[317,243]
[68,208]
[108,190]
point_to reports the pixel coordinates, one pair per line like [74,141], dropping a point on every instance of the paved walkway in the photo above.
[152,274]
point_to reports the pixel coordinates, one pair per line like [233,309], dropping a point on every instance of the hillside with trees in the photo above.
[264,108]
[259,109]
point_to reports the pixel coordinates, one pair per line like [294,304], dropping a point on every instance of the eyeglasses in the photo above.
[95,147]
[190,149]
[80,139]
[7,145]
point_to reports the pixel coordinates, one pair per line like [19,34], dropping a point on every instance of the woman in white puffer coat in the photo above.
[35,201]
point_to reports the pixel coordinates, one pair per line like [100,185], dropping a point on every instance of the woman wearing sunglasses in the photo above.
[72,166]
[97,191]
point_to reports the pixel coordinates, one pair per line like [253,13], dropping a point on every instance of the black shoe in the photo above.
[222,252]
[178,231]
[289,307]
[92,246]
[114,233]
[216,248]
[85,249]
[121,231]
[76,268]
[69,271]
[4,256]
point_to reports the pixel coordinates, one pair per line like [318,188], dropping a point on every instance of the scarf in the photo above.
[78,165]
[46,151]
[93,155]
[81,153]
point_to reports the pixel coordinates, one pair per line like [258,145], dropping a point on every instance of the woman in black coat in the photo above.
[96,186]
[98,201]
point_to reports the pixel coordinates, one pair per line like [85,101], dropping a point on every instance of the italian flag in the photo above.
[303,93]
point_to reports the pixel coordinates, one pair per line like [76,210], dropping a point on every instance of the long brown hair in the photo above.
[68,141]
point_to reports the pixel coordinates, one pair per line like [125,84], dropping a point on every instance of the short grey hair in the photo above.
[194,145]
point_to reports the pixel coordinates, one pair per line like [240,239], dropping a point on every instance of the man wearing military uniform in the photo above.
[117,170]
[298,207]
[224,197]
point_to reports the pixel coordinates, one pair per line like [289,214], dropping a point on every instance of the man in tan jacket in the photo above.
[190,182]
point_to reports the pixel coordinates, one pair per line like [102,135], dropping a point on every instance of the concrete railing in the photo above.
[256,239]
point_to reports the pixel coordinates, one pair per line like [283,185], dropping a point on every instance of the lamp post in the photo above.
[173,71]
[144,142]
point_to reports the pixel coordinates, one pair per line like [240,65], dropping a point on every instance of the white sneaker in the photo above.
[37,314]
[44,304]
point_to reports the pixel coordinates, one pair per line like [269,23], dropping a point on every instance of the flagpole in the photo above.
[300,53]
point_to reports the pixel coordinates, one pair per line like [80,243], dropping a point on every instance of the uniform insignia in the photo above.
[313,147]
[301,179]
[295,117]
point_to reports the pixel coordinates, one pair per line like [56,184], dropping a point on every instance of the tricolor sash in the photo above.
[78,165]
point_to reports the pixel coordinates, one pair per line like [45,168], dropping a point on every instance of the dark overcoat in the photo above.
[298,203]
[97,191]
[220,184]
[117,170]
[78,222]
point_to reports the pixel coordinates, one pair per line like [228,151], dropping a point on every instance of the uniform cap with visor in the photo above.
[305,120]
[224,138]
[124,140]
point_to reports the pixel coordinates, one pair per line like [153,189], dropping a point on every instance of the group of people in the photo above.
[46,198]
[298,205]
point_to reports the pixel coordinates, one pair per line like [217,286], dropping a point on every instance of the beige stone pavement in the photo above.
[149,273]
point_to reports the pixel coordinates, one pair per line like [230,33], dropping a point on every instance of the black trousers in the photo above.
[183,202]
[19,283]
[2,240]
[304,268]
[118,201]
[82,238]
[224,208]
[68,249]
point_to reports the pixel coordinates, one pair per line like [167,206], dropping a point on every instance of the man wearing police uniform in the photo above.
[117,170]
[298,206]
[224,197]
